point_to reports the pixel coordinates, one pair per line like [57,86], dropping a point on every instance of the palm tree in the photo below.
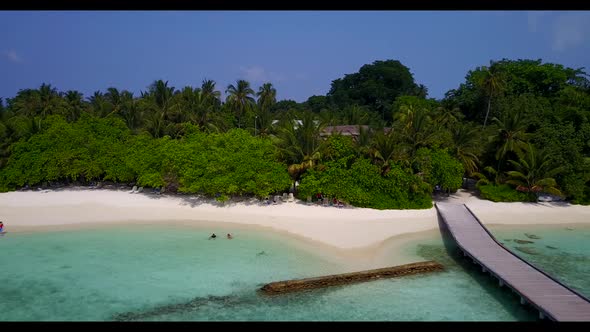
[27,102]
[40,102]
[159,101]
[534,172]
[512,134]
[197,105]
[192,104]
[212,102]
[210,95]
[75,102]
[385,148]
[300,144]
[492,82]
[264,125]
[240,98]
[154,124]
[267,96]
[162,94]
[466,146]
[263,121]
[364,140]
[484,179]
[447,117]
[130,111]
[14,125]
[354,115]
[99,104]
[405,116]
[113,97]
[416,127]
[46,95]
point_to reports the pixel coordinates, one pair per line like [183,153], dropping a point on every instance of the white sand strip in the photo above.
[345,228]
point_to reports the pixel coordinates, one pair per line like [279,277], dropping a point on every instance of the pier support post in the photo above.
[522,300]
[483,269]
[541,316]
[501,283]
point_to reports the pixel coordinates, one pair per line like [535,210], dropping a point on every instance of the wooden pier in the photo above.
[553,299]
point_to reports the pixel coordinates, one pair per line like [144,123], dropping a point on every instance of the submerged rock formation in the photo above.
[523,241]
[527,250]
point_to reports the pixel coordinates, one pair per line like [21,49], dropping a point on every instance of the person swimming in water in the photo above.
[213,236]
[1,228]
[229,237]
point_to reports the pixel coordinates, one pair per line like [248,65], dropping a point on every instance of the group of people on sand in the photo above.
[213,236]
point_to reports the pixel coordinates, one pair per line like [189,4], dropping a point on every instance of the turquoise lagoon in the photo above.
[149,272]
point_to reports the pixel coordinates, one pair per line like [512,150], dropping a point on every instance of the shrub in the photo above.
[363,185]
[503,193]
[439,168]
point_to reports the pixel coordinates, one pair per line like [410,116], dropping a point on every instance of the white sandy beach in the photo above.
[345,228]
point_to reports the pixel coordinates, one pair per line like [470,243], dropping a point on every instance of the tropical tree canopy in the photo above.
[518,127]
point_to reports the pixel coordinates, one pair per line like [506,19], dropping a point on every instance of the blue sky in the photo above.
[300,52]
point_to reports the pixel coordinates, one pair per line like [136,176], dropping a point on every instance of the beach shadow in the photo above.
[194,200]
[198,200]
[554,204]
[77,186]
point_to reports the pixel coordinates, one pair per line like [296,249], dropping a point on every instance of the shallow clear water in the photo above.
[561,251]
[143,272]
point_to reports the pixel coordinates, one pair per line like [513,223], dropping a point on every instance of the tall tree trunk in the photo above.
[488,111]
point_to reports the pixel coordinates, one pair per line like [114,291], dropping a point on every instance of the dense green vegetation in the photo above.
[521,128]
[502,193]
